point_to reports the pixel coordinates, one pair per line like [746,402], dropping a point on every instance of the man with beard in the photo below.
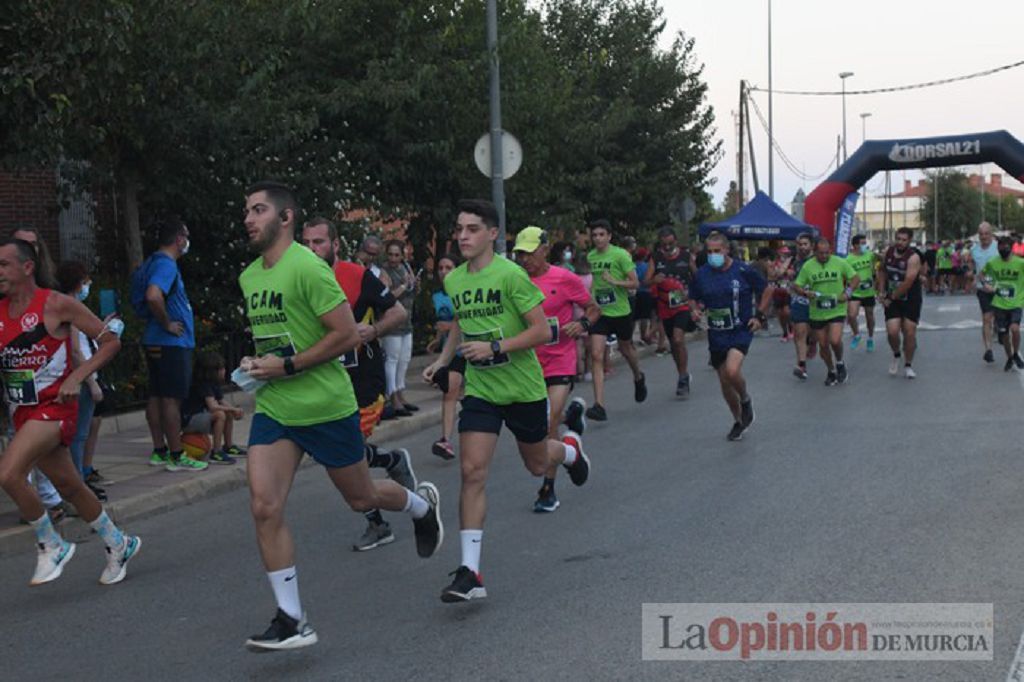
[800,307]
[301,324]
[1004,280]
[669,275]
[902,298]
[376,312]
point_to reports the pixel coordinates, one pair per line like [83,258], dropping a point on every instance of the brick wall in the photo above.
[30,198]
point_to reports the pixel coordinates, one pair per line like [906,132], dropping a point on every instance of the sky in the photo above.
[884,43]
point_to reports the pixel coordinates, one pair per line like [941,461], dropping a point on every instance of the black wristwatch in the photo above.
[585,323]
[761,317]
[495,348]
[289,366]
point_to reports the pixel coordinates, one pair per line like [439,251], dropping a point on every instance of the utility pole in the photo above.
[741,173]
[771,127]
[497,152]
[843,76]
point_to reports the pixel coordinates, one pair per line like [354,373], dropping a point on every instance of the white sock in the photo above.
[471,541]
[415,505]
[570,454]
[285,584]
[46,534]
[111,535]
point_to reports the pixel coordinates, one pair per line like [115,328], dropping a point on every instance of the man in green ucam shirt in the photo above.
[614,277]
[1004,278]
[828,282]
[498,322]
[864,262]
[944,265]
[301,325]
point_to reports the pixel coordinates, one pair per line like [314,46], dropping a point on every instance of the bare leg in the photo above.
[598,345]
[218,419]
[271,470]
[154,420]
[558,396]
[476,450]
[170,418]
[679,351]
[853,308]
[869,315]
[909,341]
[449,404]
[628,351]
[824,348]
[988,321]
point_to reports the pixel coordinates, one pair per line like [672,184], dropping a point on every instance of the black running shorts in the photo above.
[528,422]
[622,327]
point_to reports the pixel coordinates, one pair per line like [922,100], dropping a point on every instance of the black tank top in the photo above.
[896,266]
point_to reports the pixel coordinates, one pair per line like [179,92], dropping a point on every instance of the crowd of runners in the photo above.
[509,348]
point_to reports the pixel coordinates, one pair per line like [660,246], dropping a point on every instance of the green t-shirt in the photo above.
[864,265]
[490,305]
[614,301]
[828,280]
[284,304]
[944,259]
[1007,278]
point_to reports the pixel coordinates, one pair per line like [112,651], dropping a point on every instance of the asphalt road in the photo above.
[881,490]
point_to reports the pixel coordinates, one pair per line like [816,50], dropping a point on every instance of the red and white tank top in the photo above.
[33,363]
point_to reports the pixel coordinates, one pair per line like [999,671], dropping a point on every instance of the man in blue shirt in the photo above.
[169,340]
[733,297]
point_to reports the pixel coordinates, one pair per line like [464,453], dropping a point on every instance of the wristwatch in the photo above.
[289,366]
[585,323]
[495,348]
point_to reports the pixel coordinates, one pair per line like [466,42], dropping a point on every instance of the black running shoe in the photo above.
[841,373]
[579,471]
[429,529]
[800,373]
[747,413]
[466,585]
[284,633]
[443,449]
[989,357]
[547,501]
[683,387]
[575,415]
[597,413]
[736,433]
[831,379]
[1018,360]
[640,389]
[1008,367]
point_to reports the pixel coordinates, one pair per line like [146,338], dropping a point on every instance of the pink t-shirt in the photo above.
[561,290]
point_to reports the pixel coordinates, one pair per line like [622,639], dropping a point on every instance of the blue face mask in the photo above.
[84,293]
[716,260]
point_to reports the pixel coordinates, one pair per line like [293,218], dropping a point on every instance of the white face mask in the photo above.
[185,248]
[84,292]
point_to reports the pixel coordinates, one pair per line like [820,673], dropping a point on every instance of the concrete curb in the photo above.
[195,487]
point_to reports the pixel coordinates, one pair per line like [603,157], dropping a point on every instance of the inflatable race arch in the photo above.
[997,147]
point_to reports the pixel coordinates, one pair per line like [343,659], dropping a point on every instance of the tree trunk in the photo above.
[130,188]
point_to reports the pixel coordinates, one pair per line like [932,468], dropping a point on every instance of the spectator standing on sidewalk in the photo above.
[73,279]
[169,341]
[398,343]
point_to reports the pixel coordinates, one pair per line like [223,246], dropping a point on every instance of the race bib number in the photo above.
[800,300]
[865,285]
[21,387]
[783,284]
[825,303]
[720,319]
[280,345]
[1006,291]
[605,298]
[676,298]
[487,337]
[553,326]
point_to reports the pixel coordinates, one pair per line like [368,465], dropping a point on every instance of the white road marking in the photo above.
[949,308]
[1016,673]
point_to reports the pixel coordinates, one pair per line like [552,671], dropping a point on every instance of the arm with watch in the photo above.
[591,314]
[340,336]
[536,333]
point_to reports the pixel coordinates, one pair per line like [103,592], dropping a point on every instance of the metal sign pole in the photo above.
[497,152]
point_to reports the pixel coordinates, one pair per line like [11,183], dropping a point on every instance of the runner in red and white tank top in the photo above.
[42,388]
[34,364]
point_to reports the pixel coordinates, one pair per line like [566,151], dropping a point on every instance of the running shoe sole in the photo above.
[58,568]
[577,425]
[541,508]
[434,499]
[386,540]
[574,472]
[451,597]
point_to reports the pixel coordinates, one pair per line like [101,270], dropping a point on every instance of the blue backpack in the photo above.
[140,282]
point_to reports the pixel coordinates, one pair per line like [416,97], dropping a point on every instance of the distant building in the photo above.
[796,207]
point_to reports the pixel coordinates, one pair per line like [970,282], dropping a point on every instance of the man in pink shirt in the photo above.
[561,290]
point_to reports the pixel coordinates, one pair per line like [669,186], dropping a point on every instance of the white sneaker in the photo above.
[51,561]
[909,371]
[894,366]
[117,562]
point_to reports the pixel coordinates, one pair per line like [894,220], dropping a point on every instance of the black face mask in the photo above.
[1005,253]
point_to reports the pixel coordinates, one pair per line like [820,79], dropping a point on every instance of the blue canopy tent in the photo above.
[761,219]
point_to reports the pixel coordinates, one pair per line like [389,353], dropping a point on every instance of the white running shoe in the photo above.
[117,562]
[909,371]
[51,561]
[894,366]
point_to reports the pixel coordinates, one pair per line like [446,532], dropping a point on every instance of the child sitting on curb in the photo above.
[204,411]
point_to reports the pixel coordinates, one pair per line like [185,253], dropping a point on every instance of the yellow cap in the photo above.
[529,238]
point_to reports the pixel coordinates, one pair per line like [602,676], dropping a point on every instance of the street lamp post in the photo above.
[771,127]
[842,77]
[497,153]
[863,139]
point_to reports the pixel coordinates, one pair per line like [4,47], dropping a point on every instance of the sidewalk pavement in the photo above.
[136,489]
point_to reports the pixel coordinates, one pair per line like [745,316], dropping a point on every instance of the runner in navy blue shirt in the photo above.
[725,291]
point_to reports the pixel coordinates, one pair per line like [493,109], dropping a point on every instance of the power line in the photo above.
[782,155]
[898,88]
